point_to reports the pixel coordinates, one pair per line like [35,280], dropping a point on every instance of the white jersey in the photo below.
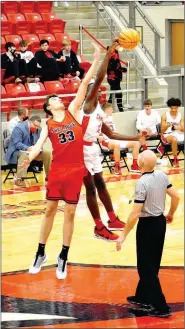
[92,124]
[170,119]
[110,123]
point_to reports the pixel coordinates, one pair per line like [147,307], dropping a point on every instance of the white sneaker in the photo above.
[64,4]
[55,4]
[61,271]
[37,264]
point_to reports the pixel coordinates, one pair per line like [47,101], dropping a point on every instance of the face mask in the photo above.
[26,118]
[33,129]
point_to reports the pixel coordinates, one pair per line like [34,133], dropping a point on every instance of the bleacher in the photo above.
[34,21]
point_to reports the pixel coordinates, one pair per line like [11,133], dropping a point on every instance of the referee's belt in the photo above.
[88,143]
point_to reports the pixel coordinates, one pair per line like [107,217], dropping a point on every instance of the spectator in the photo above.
[72,65]
[147,120]
[114,77]
[117,145]
[13,64]
[30,60]
[172,127]
[23,137]
[22,115]
[48,62]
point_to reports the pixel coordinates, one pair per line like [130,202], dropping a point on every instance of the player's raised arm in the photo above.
[80,96]
[92,95]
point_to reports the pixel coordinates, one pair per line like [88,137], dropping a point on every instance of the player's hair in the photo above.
[35,118]
[147,102]
[46,104]
[9,45]
[43,41]
[23,43]
[106,105]
[174,102]
[22,110]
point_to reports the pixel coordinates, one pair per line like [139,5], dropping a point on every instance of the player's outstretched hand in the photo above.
[97,51]
[119,242]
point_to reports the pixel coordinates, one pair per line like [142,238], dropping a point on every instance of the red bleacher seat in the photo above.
[85,65]
[10,7]
[23,27]
[46,36]
[35,46]
[15,17]
[38,91]
[6,28]
[30,38]
[44,6]
[55,46]
[74,45]
[13,38]
[33,17]
[62,37]
[54,87]
[57,26]
[3,41]
[7,80]
[5,106]
[27,7]
[71,85]
[40,27]
[49,16]
[3,18]
[18,90]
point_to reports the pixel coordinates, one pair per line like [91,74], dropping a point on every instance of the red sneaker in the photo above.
[105,234]
[116,225]
[135,168]
[160,149]
[176,163]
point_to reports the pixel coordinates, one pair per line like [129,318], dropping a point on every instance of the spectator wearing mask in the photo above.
[114,77]
[24,136]
[22,115]
[70,59]
[13,64]
[30,60]
[48,60]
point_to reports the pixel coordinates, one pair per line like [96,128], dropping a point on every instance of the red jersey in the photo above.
[67,140]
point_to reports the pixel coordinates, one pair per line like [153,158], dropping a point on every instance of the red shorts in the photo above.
[65,183]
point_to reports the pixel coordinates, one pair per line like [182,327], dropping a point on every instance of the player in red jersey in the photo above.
[67,169]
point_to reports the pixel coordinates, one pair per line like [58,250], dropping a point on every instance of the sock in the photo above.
[117,164]
[41,249]
[135,162]
[64,252]
[175,158]
[112,215]
[144,146]
[98,223]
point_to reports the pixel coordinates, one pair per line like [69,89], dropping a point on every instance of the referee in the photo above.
[149,205]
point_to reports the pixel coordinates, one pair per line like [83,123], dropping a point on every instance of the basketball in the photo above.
[129,39]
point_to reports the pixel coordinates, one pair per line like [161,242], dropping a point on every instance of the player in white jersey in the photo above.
[93,124]
[172,127]
[118,145]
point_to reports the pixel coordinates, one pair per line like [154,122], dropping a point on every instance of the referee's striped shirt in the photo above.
[151,191]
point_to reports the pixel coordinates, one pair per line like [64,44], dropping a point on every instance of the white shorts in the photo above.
[92,159]
[178,134]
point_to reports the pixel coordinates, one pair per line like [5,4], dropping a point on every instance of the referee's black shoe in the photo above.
[135,301]
[164,313]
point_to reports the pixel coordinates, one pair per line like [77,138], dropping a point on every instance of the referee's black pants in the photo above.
[150,237]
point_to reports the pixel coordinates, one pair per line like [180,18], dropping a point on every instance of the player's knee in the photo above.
[70,211]
[174,140]
[90,190]
[99,182]
[50,211]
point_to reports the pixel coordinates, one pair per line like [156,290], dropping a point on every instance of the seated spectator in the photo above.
[147,120]
[30,60]
[22,115]
[112,144]
[172,127]
[72,65]
[23,137]
[13,64]
[48,62]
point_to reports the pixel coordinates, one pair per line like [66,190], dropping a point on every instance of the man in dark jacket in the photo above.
[71,65]
[114,77]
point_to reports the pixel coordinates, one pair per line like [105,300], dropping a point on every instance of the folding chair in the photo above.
[108,160]
[168,149]
[12,168]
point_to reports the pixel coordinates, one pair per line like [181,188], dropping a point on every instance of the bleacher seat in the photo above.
[30,38]
[5,106]
[36,89]
[55,46]
[6,28]
[3,41]
[23,27]
[44,6]
[18,90]
[74,45]
[49,16]
[13,38]
[27,7]
[3,18]
[33,17]
[34,46]
[15,17]
[46,36]
[56,26]
[10,7]
[54,87]
[62,37]
[40,27]
[7,80]
[71,85]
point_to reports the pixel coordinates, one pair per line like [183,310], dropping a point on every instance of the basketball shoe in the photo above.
[135,168]
[116,225]
[105,234]
[37,264]
[61,271]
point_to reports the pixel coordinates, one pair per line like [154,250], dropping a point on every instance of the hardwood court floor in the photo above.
[99,278]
